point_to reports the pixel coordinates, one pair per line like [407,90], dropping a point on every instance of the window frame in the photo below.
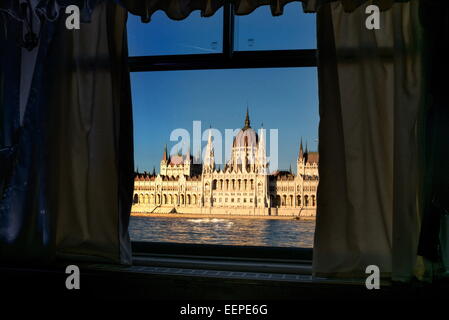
[228,59]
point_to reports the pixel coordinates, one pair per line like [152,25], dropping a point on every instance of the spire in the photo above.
[261,153]
[301,151]
[209,142]
[290,170]
[154,171]
[209,163]
[247,122]
[165,155]
[307,150]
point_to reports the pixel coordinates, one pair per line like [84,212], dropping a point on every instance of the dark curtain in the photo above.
[24,219]
[434,239]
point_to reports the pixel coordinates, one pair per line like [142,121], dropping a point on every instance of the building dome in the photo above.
[246,138]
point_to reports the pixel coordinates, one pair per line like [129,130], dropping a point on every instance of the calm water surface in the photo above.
[248,232]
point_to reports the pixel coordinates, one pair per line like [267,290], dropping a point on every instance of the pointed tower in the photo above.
[247,121]
[262,199]
[164,162]
[209,160]
[261,162]
[187,164]
[301,151]
[300,161]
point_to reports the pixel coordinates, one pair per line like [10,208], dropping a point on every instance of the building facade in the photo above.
[242,187]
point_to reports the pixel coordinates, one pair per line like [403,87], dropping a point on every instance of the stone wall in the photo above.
[304,212]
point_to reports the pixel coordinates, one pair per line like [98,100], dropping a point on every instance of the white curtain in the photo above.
[371,102]
[92,146]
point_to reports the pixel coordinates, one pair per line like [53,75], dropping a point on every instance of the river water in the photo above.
[247,232]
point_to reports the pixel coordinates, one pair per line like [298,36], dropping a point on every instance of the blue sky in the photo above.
[281,98]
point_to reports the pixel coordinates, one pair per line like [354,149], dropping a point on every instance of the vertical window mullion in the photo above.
[228,29]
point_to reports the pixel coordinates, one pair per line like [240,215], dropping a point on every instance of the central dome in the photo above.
[246,137]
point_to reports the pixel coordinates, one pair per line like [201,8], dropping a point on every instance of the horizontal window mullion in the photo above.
[239,60]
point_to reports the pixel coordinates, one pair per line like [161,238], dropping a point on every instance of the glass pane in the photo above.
[163,36]
[261,31]
[175,200]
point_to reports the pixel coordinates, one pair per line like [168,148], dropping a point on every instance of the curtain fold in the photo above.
[180,9]
[371,103]
[68,176]
[92,155]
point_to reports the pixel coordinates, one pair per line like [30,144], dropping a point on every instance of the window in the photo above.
[228,65]
[163,36]
[260,31]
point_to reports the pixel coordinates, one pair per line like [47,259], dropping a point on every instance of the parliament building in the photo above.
[242,187]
